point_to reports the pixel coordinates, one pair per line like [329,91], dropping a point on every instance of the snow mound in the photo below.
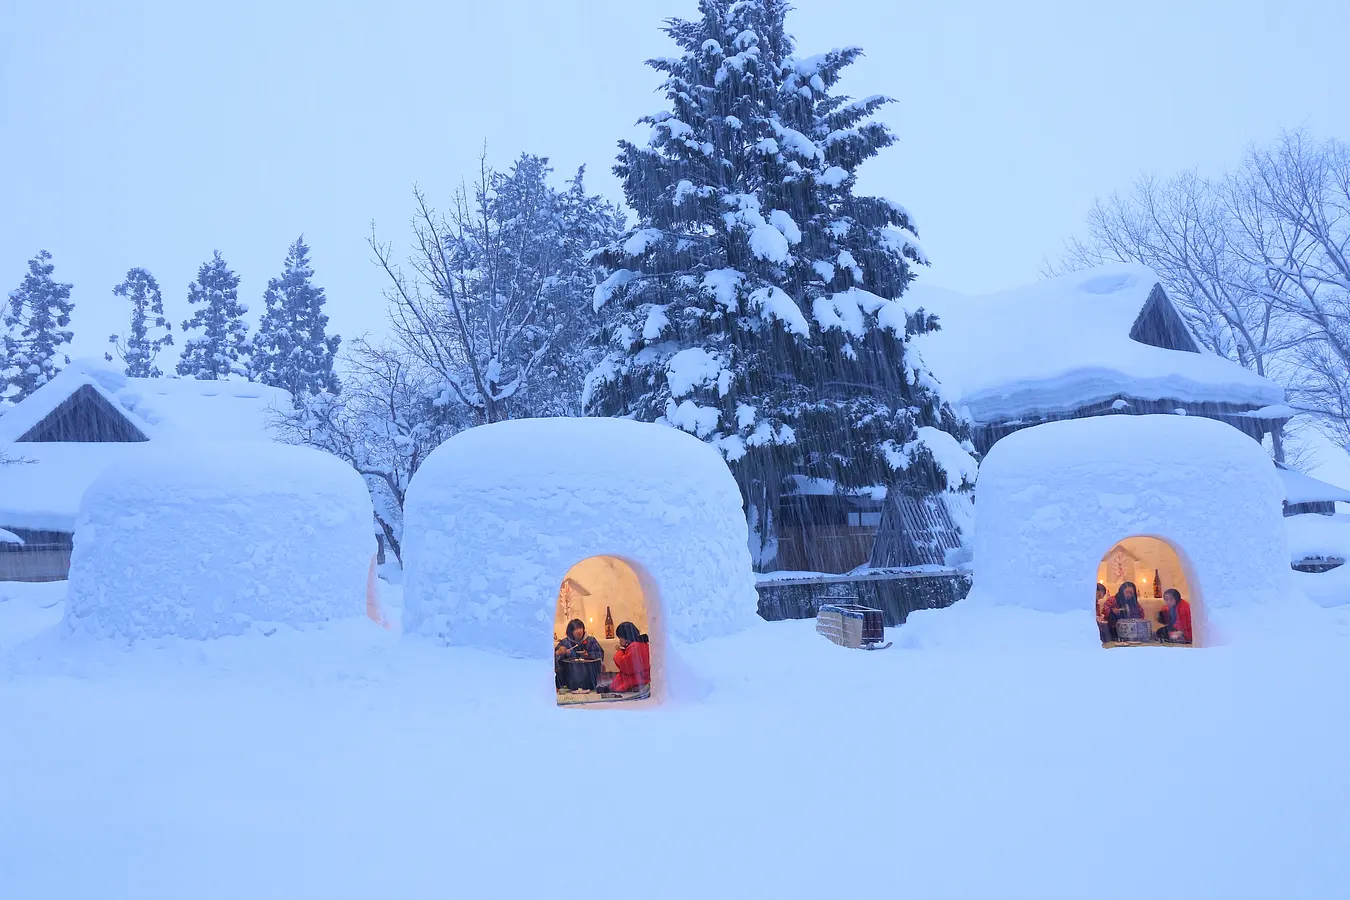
[498,514]
[1329,589]
[44,492]
[1053,499]
[1314,536]
[201,541]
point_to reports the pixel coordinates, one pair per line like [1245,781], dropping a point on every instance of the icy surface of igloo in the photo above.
[497,516]
[200,541]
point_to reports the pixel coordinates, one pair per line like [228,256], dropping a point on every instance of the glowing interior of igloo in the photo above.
[1054,501]
[499,517]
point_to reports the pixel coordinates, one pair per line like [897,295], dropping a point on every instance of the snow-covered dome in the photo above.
[499,515]
[199,541]
[1052,500]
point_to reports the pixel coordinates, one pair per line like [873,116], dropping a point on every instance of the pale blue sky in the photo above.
[149,133]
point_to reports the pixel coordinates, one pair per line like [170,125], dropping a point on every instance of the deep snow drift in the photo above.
[217,539]
[498,514]
[345,763]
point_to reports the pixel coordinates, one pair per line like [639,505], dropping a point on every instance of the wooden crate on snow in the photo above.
[850,624]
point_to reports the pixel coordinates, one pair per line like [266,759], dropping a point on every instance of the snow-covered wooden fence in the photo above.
[789,595]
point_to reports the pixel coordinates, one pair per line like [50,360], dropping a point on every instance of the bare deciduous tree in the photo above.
[1257,260]
[384,424]
[479,280]
[1181,228]
[1290,204]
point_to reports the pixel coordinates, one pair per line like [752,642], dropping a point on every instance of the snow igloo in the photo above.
[1190,502]
[513,530]
[199,541]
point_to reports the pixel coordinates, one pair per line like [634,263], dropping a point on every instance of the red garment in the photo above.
[1183,620]
[634,663]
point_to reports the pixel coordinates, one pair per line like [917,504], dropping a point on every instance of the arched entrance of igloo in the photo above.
[602,647]
[1145,595]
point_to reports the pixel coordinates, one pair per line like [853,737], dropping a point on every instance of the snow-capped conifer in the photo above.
[756,301]
[220,346]
[36,331]
[292,348]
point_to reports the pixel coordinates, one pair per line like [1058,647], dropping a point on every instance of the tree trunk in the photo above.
[1277,443]
[390,541]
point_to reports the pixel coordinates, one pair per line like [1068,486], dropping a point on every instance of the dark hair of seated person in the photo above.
[629,632]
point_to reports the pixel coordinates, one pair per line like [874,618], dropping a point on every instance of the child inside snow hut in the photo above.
[1175,619]
[577,659]
[633,659]
[1125,605]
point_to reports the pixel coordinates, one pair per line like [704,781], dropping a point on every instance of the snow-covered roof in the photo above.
[43,490]
[160,408]
[1300,488]
[805,486]
[1064,343]
[44,493]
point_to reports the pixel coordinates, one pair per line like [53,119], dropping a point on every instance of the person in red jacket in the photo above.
[1175,619]
[633,660]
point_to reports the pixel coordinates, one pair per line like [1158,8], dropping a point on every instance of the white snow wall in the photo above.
[498,514]
[1053,499]
[200,541]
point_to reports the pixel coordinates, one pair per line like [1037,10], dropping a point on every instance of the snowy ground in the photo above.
[345,763]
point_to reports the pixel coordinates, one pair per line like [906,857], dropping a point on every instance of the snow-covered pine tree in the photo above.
[220,346]
[756,301]
[292,348]
[150,329]
[36,331]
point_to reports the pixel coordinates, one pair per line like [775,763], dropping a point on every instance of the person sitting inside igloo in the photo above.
[577,659]
[1103,608]
[1175,619]
[1123,614]
[633,659]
